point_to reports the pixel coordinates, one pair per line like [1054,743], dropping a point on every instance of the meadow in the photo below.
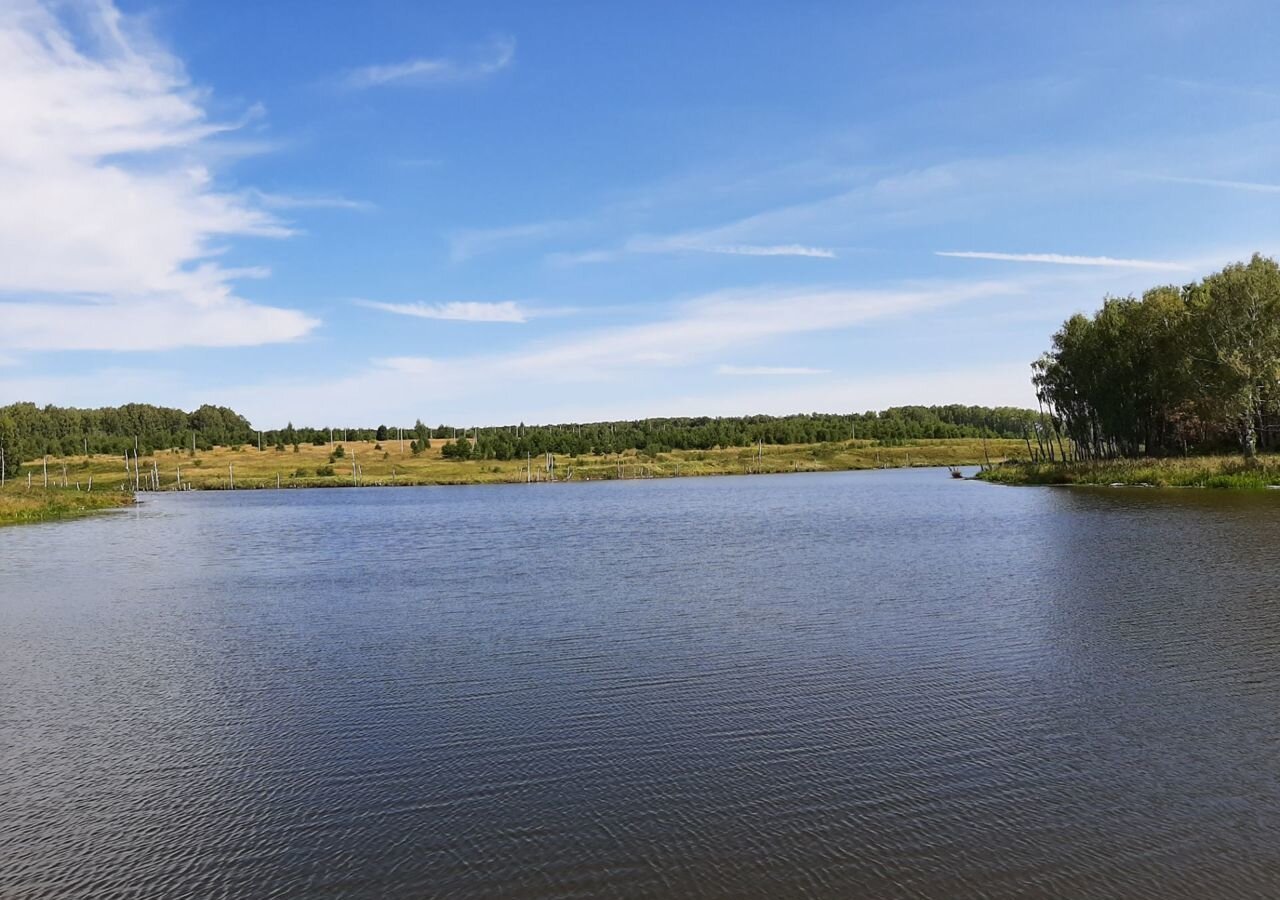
[367,463]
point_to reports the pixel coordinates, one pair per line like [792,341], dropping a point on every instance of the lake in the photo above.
[866,684]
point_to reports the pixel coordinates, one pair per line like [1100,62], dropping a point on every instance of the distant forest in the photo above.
[1184,369]
[28,432]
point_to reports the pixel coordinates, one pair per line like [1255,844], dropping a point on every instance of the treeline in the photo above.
[1183,369]
[28,432]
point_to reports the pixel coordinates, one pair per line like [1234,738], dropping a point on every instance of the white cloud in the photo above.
[714,323]
[690,243]
[506,311]
[471,242]
[643,363]
[585,257]
[1064,260]
[769,370]
[1256,187]
[498,55]
[769,250]
[109,215]
[308,201]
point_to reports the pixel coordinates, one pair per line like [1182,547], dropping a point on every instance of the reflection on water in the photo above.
[883,684]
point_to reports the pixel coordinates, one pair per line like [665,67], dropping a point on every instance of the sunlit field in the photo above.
[368,463]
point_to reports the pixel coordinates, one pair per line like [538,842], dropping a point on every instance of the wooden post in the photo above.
[231,471]
[46,472]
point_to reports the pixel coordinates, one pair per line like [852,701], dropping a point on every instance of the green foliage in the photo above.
[1197,471]
[422,435]
[1184,368]
[457,449]
[324,471]
[338,453]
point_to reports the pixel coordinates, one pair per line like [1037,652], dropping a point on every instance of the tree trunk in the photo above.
[1249,438]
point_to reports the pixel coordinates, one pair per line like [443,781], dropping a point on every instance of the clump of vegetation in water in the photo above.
[19,505]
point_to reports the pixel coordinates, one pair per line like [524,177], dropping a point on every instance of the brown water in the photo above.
[882,684]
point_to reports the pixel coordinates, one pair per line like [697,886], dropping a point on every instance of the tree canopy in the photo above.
[1182,368]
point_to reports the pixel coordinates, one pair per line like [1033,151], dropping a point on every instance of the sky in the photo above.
[485,213]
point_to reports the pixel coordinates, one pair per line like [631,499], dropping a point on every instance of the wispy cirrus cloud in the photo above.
[684,244]
[693,333]
[111,220]
[1256,187]
[307,201]
[694,243]
[469,242]
[769,250]
[769,371]
[505,311]
[489,60]
[1060,259]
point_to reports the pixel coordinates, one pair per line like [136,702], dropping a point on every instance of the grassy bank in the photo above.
[311,466]
[18,505]
[1197,471]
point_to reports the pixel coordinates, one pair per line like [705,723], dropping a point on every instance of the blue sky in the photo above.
[487,213]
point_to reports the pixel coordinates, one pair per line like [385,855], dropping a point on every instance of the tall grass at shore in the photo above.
[1196,471]
[19,505]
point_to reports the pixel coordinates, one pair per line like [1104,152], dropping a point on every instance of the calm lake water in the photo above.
[877,684]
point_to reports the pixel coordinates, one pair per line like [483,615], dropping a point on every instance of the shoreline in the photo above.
[57,504]
[1212,472]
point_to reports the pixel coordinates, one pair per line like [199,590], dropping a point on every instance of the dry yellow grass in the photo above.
[252,468]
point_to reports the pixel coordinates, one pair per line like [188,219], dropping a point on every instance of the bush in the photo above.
[323,471]
[338,453]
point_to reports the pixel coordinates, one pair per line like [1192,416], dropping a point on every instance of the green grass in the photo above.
[253,468]
[1224,472]
[19,505]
